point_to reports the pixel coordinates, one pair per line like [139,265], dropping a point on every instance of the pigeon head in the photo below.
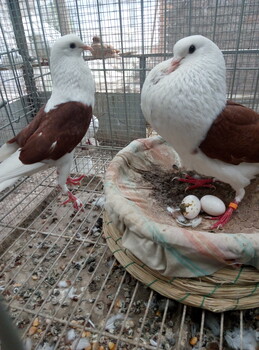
[194,49]
[71,77]
[96,40]
[69,45]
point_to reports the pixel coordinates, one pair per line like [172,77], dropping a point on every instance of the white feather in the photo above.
[12,169]
[233,339]
[7,149]
[80,344]
[8,183]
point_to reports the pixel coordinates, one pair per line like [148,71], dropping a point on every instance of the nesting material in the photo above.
[213,270]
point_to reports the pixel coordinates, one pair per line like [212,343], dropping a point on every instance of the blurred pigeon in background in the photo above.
[101,50]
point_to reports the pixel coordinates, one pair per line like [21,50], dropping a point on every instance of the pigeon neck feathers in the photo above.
[71,77]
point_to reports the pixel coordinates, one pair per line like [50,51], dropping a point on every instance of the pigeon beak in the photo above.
[175,63]
[86,47]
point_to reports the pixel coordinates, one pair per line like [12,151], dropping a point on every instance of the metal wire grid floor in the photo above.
[64,288]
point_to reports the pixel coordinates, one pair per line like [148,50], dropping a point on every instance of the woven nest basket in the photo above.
[143,248]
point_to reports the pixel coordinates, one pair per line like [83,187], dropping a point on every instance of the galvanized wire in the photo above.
[144,33]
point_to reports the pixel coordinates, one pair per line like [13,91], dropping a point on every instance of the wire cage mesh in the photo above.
[63,288]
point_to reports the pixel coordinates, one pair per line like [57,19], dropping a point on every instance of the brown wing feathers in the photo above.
[234,135]
[51,135]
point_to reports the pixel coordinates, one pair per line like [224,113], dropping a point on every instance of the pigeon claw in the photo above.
[224,218]
[196,183]
[77,204]
[75,181]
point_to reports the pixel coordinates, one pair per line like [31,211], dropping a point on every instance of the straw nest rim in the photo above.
[227,289]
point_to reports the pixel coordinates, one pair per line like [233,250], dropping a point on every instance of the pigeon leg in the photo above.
[63,171]
[77,204]
[75,181]
[224,218]
[196,182]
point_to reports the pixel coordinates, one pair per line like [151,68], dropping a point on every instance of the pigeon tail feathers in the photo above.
[8,183]
[11,169]
[7,149]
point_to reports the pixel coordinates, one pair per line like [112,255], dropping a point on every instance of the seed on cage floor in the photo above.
[96,346]
[32,330]
[111,346]
[36,322]
[119,303]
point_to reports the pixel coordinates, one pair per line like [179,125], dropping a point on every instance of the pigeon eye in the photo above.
[72,45]
[192,48]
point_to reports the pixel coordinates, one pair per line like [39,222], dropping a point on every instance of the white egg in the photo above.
[212,205]
[190,206]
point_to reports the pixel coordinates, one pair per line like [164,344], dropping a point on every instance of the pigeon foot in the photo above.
[196,183]
[75,181]
[224,218]
[77,204]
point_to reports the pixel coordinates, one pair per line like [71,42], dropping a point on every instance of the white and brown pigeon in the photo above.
[51,137]
[184,100]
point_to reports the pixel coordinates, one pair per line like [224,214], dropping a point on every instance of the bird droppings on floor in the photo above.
[168,193]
